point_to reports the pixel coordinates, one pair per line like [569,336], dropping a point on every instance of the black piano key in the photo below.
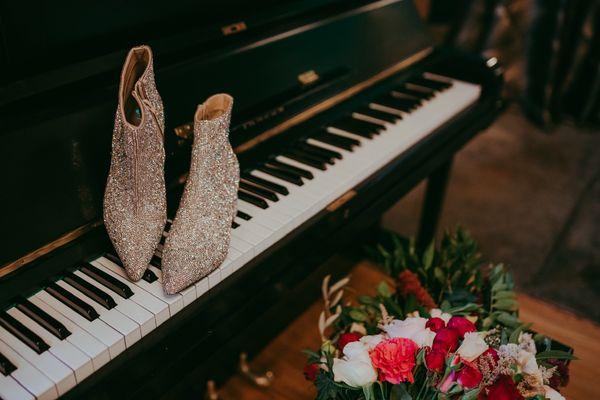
[6,367]
[23,333]
[155,261]
[392,102]
[264,193]
[167,226]
[413,90]
[75,303]
[244,216]
[265,183]
[234,224]
[283,175]
[252,199]
[300,172]
[332,139]
[43,319]
[314,154]
[305,159]
[412,102]
[91,291]
[430,83]
[107,280]
[320,150]
[387,117]
[357,127]
[148,276]
[162,240]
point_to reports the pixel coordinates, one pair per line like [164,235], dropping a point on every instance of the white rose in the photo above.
[356,351]
[371,341]
[527,362]
[526,342]
[472,346]
[437,313]
[354,372]
[424,338]
[405,328]
[552,394]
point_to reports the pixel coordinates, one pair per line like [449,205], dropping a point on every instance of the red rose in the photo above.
[503,389]
[346,338]
[461,325]
[435,324]
[469,376]
[311,371]
[435,360]
[395,359]
[445,340]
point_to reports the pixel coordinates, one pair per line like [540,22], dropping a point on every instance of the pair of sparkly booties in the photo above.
[135,207]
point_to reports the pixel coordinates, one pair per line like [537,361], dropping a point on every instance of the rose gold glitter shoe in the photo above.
[198,240]
[135,209]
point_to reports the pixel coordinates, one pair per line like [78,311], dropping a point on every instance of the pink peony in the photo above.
[395,359]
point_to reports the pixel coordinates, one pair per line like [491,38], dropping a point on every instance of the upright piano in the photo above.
[341,107]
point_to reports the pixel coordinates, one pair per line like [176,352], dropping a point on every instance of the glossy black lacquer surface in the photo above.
[64,149]
[56,143]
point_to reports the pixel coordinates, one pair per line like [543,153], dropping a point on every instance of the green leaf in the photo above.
[368,392]
[470,395]
[514,337]
[439,275]
[358,315]
[506,305]
[384,290]
[399,392]
[505,294]
[555,354]
[367,300]
[507,319]
[428,256]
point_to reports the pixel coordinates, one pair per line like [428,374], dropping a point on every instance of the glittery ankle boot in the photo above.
[135,199]
[198,240]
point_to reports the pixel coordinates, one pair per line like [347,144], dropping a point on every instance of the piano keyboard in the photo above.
[56,338]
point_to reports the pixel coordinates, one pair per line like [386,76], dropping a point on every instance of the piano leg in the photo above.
[433,202]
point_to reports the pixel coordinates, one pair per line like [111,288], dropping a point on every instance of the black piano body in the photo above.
[291,70]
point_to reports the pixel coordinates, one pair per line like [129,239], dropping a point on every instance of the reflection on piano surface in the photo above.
[321,157]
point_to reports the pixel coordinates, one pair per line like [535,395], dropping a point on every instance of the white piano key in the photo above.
[46,363]
[71,356]
[187,295]
[128,328]
[174,302]
[127,307]
[97,328]
[11,390]
[80,338]
[33,380]
[157,307]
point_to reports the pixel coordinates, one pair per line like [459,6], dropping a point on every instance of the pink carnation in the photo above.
[395,359]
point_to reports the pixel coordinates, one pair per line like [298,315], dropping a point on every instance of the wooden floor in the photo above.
[283,356]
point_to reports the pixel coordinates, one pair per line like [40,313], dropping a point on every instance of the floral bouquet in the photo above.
[455,333]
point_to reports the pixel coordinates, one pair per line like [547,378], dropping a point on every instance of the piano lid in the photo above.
[56,141]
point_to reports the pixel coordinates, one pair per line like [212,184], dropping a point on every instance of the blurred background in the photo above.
[528,188]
